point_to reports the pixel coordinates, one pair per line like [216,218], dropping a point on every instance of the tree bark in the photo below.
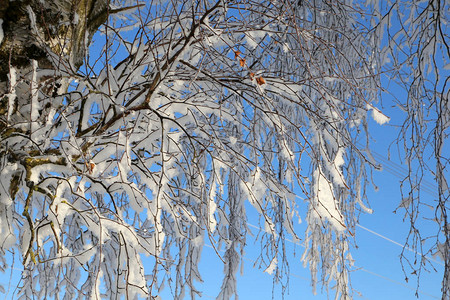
[49,33]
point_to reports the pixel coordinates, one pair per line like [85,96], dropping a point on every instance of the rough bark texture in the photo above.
[49,32]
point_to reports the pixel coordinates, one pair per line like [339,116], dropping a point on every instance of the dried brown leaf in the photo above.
[260,80]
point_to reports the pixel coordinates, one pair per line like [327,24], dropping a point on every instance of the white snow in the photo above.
[86,254]
[35,107]
[43,232]
[6,238]
[249,39]
[441,249]
[269,226]
[324,202]
[1,31]
[335,168]
[12,90]
[339,159]
[212,210]
[377,115]
[32,18]
[26,236]
[198,241]
[272,266]
[76,19]
[364,207]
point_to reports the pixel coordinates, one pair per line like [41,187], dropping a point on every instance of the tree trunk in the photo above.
[41,35]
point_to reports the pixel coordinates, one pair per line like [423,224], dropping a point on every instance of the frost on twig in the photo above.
[120,164]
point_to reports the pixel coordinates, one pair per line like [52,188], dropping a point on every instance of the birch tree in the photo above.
[132,129]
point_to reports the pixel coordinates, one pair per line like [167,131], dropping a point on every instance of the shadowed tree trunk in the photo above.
[42,34]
